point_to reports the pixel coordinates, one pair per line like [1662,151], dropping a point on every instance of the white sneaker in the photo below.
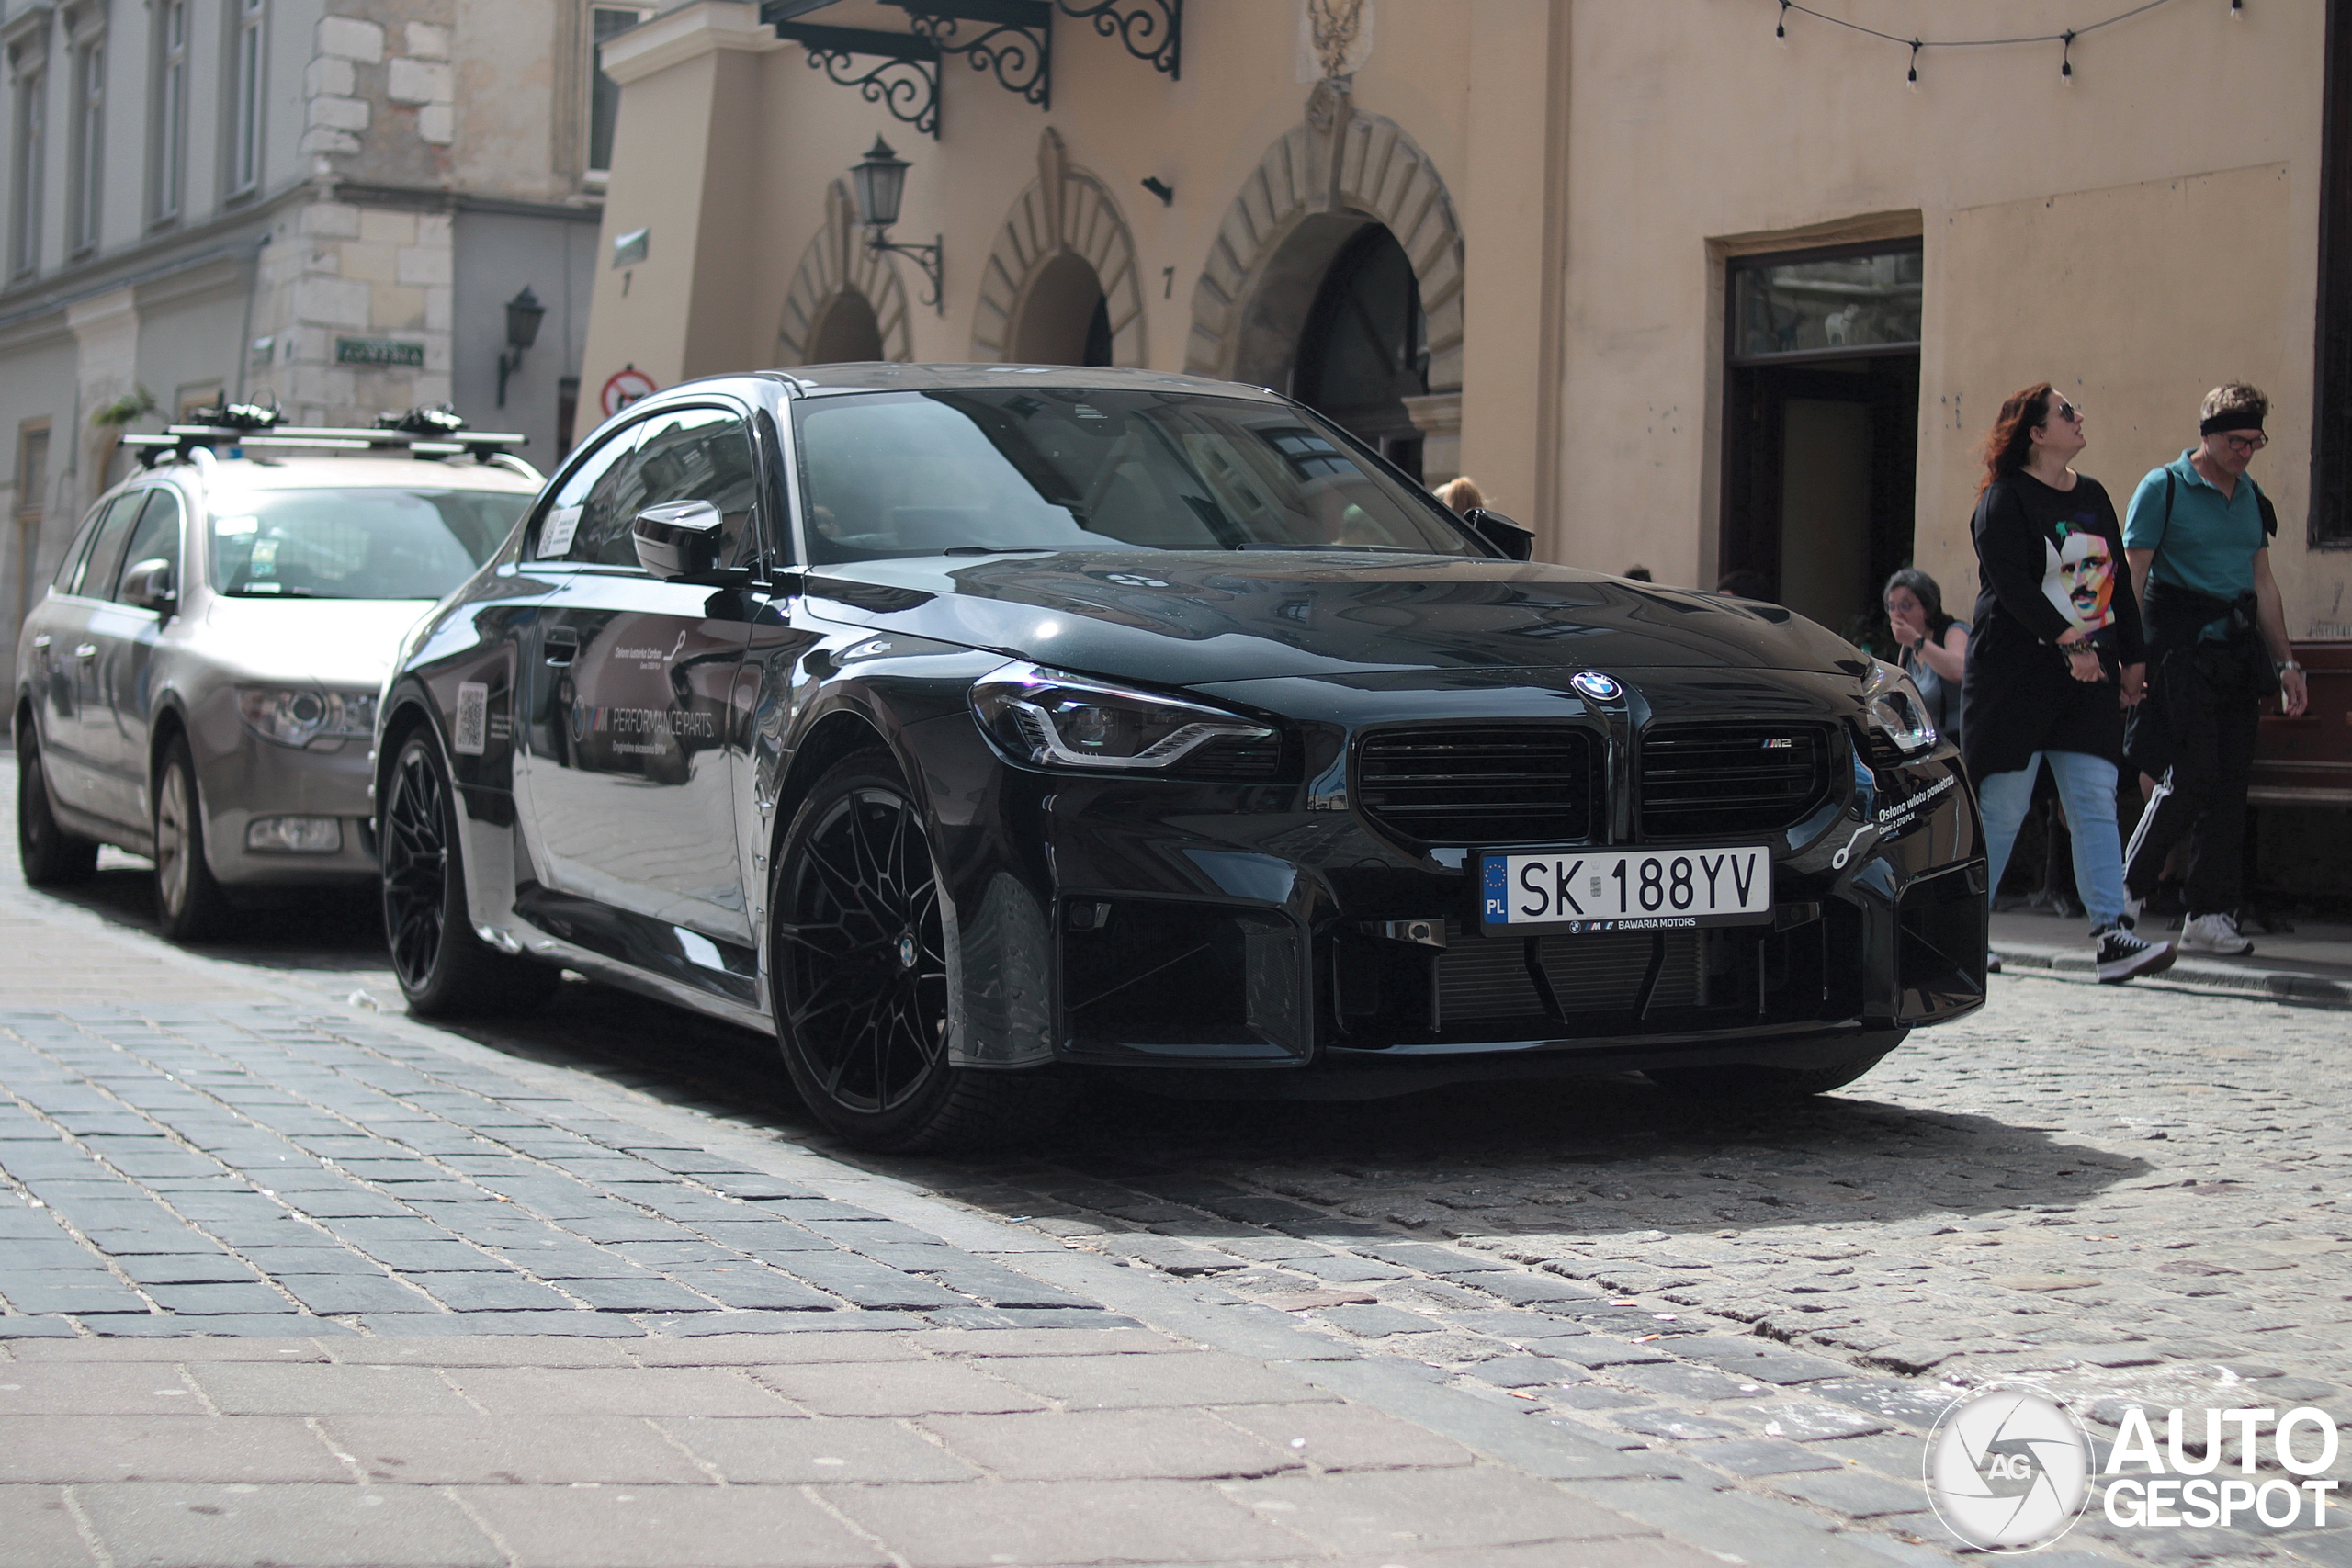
[2214,933]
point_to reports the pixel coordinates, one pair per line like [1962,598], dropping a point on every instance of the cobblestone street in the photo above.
[372,1261]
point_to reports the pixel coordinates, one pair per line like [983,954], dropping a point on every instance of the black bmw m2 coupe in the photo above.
[976,728]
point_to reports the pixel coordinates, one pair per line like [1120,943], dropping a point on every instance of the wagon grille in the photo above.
[1493,784]
[1713,781]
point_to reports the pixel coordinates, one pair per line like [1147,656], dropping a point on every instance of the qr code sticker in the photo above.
[473,717]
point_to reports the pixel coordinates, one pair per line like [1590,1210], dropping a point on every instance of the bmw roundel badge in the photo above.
[1596,685]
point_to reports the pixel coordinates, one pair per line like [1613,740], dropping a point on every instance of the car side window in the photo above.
[681,455]
[97,580]
[69,570]
[558,534]
[704,454]
[157,537]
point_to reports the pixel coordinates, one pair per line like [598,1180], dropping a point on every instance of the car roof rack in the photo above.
[177,441]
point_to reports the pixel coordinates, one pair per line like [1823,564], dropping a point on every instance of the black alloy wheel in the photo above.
[859,975]
[444,969]
[190,904]
[51,856]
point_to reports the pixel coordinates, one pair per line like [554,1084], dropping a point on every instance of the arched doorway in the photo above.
[1064,318]
[1315,231]
[847,330]
[1060,285]
[1365,348]
[846,304]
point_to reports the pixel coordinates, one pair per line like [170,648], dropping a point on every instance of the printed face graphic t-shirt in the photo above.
[2048,561]
[2080,577]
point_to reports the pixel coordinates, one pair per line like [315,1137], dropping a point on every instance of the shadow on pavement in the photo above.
[1596,1154]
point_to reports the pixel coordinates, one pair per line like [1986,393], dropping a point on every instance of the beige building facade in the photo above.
[1679,292]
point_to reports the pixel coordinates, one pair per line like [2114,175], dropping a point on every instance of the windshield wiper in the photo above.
[1001,551]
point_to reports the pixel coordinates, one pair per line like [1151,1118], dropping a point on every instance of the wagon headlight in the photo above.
[1894,713]
[1052,721]
[296,715]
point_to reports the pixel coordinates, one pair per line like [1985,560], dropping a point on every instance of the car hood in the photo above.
[348,643]
[1179,619]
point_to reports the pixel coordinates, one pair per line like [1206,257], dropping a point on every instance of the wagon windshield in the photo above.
[968,471]
[357,542]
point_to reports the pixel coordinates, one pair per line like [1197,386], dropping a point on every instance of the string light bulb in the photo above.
[1781,28]
[2066,59]
[2237,9]
[1912,82]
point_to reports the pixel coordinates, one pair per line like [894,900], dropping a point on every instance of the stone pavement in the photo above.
[309,1283]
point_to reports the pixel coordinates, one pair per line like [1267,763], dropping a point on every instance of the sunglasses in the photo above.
[2245,445]
[2068,413]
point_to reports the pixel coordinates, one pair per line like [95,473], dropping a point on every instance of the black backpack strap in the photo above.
[2269,512]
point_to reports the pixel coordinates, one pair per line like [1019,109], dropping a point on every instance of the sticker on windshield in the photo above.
[473,715]
[555,539]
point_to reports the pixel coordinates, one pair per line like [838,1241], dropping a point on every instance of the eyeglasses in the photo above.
[2068,413]
[2246,446]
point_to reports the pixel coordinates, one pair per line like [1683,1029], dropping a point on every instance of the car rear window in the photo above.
[1052,468]
[356,543]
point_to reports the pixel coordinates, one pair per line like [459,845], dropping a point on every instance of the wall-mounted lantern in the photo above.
[879,182]
[522,314]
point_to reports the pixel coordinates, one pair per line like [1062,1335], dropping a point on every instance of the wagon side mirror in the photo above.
[679,538]
[1515,542]
[148,584]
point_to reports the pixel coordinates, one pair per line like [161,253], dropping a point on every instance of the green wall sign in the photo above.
[379,351]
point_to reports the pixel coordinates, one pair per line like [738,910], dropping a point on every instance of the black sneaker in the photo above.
[2122,956]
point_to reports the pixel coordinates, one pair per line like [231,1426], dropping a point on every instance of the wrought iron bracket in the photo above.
[1014,41]
[928,257]
[1151,30]
[903,79]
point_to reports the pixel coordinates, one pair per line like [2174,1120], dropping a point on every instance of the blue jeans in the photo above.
[2086,785]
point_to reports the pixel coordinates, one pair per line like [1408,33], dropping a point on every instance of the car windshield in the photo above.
[358,542]
[1057,468]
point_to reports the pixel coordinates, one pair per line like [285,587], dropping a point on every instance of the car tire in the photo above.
[858,977]
[444,969]
[1778,1086]
[190,904]
[51,856]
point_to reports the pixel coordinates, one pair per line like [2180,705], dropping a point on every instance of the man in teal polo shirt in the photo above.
[2199,543]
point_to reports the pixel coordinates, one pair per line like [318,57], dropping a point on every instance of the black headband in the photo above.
[2237,419]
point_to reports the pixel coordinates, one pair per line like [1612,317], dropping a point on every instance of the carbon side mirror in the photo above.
[148,584]
[1515,542]
[679,538]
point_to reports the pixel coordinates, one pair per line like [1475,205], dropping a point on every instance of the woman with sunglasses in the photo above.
[2054,659]
[2198,544]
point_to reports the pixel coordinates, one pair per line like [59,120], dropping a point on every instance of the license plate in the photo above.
[1624,890]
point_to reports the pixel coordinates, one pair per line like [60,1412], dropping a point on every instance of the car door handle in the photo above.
[43,641]
[560,646]
[86,650]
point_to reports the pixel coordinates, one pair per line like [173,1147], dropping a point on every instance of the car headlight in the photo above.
[296,715]
[1894,713]
[1052,721]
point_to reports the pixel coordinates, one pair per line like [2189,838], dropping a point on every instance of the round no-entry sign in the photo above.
[627,386]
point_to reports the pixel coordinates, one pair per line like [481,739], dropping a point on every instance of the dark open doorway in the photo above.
[1821,423]
[1365,348]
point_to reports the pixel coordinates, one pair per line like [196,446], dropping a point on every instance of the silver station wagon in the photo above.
[199,683]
